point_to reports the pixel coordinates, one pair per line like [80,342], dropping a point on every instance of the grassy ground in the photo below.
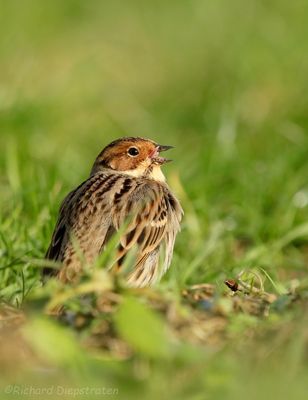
[226,83]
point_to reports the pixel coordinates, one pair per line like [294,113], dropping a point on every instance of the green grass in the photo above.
[226,83]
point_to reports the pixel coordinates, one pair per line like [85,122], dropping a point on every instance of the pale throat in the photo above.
[154,173]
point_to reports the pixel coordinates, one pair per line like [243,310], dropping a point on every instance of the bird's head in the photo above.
[133,156]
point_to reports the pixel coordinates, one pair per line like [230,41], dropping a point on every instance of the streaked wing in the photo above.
[59,236]
[83,215]
[153,216]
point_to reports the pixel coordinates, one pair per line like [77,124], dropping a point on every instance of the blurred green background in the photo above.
[227,84]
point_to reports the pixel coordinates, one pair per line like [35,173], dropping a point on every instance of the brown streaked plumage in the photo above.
[126,189]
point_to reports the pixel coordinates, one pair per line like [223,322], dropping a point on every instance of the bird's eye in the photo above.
[133,151]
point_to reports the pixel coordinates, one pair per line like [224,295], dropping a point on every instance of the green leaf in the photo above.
[143,330]
[53,342]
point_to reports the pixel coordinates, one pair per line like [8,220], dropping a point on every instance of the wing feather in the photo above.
[83,215]
[153,217]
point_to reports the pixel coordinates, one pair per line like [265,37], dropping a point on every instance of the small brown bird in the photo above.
[126,191]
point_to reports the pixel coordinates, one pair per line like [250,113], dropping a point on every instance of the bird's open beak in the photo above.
[156,158]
